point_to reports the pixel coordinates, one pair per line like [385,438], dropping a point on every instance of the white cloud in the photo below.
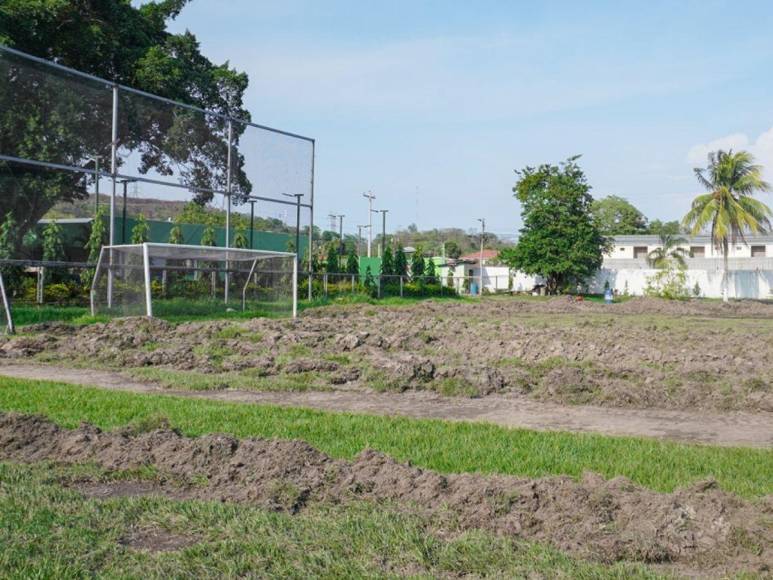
[698,153]
[761,148]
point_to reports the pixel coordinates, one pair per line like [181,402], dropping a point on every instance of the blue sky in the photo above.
[432,105]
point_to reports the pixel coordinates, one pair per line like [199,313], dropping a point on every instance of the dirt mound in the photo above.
[696,528]
[645,352]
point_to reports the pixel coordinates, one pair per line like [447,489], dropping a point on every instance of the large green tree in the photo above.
[729,211]
[559,239]
[660,228]
[55,117]
[616,216]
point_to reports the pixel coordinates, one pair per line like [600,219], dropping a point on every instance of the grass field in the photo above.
[187,310]
[438,445]
[52,532]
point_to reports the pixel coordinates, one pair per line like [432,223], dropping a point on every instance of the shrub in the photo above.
[669,283]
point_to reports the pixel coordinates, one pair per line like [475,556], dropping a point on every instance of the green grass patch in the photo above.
[447,447]
[49,531]
[25,314]
[246,380]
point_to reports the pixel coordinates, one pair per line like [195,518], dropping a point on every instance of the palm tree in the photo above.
[670,250]
[729,210]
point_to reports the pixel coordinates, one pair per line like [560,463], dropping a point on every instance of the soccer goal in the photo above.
[6,322]
[175,280]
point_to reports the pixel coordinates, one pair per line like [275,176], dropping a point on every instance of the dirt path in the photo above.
[730,429]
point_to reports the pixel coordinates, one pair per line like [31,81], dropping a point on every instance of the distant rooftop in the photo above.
[475,256]
[653,240]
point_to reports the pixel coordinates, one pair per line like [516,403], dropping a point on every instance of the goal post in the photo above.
[178,280]
[7,314]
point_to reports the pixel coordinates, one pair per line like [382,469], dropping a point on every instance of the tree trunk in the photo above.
[725,249]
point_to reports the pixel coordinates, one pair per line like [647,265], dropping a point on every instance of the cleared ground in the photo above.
[645,354]
[475,499]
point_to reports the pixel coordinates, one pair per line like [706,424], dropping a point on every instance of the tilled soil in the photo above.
[643,353]
[698,529]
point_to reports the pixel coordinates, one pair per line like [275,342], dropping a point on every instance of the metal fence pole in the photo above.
[401,286]
[41,277]
[311,216]
[146,265]
[295,286]
[10,328]
[228,208]
[113,172]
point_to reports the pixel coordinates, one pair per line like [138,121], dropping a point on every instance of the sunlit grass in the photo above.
[49,531]
[443,446]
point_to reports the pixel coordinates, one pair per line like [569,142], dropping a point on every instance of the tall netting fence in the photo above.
[174,281]
[94,146]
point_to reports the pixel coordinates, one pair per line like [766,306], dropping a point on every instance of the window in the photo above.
[758,251]
[697,251]
[639,252]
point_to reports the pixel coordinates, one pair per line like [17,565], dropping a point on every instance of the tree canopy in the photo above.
[559,239]
[729,211]
[616,216]
[56,118]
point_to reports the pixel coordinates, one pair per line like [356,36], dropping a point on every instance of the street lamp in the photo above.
[125,182]
[480,260]
[297,197]
[96,159]
[252,222]
[383,213]
[359,238]
[370,197]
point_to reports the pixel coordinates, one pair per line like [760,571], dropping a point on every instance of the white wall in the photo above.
[741,283]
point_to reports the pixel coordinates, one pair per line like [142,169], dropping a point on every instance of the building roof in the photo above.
[652,240]
[475,256]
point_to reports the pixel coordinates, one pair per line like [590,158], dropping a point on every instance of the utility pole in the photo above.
[480,260]
[370,197]
[382,245]
[359,238]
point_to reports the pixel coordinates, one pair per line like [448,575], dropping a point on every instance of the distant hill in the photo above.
[152,209]
[160,210]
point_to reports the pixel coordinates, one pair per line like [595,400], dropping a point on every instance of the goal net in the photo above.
[179,281]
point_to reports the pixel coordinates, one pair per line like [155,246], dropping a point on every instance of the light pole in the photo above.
[382,245]
[480,260]
[125,182]
[297,197]
[359,238]
[370,197]
[252,222]
[340,218]
[96,159]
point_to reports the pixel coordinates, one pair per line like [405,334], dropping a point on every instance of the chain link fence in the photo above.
[330,285]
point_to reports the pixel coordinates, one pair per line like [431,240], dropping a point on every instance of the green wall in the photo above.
[159,233]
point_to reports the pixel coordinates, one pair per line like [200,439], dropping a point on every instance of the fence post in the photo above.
[352,283]
[401,286]
[10,328]
[324,283]
[41,277]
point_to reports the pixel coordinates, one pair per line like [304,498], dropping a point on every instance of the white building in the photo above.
[626,271]
[750,266]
